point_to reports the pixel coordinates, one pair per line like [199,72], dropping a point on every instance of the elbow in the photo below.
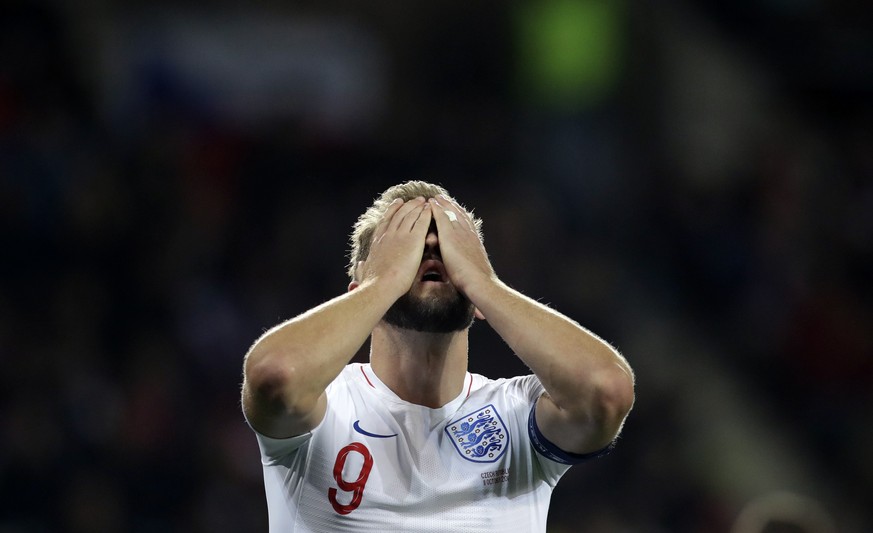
[620,397]
[601,409]
[613,399]
[272,388]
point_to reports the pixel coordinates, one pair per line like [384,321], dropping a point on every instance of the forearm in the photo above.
[303,355]
[288,369]
[575,366]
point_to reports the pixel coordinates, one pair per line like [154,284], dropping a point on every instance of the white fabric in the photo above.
[418,480]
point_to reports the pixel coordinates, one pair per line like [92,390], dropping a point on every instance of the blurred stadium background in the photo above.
[690,179]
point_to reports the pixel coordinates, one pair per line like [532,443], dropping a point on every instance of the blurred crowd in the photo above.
[692,181]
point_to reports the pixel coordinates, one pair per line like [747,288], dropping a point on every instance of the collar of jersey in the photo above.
[370,379]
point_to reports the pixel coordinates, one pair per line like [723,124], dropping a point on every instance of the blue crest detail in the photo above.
[479,436]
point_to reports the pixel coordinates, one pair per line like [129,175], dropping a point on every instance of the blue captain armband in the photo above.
[550,451]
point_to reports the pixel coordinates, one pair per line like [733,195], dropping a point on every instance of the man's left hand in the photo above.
[462,252]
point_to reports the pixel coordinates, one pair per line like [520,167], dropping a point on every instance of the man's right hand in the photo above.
[287,370]
[398,245]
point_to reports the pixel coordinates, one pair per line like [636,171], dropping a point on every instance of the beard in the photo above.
[432,313]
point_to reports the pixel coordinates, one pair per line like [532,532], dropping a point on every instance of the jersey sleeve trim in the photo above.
[274,450]
[550,451]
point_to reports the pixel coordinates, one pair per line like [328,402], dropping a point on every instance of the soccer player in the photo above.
[412,441]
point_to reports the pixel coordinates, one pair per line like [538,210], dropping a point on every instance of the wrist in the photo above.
[388,286]
[481,288]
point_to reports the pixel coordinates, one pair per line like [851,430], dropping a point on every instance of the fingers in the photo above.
[407,215]
[461,249]
[398,241]
[382,225]
[400,216]
[449,215]
[422,223]
[439,214]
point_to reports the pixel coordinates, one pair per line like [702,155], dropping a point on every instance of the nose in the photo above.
[432,239]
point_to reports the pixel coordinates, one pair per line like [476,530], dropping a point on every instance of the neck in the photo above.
[422,368]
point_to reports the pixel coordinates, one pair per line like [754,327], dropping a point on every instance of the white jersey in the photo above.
[379,463]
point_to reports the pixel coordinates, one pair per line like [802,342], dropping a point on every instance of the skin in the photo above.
[589,386]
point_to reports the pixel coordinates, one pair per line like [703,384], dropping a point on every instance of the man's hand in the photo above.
[590,386]
[288,369]
[462,252]
[398,245]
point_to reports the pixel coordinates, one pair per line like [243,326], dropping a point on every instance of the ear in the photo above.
[354,283]
[478,314]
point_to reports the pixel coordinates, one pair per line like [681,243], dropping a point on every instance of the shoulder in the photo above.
[525,388]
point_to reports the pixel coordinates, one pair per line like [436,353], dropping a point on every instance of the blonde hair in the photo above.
[362,231]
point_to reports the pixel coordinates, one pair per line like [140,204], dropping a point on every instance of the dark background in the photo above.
[689,179]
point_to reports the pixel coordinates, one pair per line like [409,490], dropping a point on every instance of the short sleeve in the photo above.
[550,451]
[273,450]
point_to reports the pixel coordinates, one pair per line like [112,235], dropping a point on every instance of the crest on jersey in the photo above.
[479,436]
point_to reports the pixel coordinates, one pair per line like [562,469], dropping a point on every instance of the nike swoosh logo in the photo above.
[357,426]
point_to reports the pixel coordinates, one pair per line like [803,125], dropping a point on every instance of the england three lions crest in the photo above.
[480,436]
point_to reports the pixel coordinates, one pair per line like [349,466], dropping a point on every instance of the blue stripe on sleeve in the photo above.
[550,451]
